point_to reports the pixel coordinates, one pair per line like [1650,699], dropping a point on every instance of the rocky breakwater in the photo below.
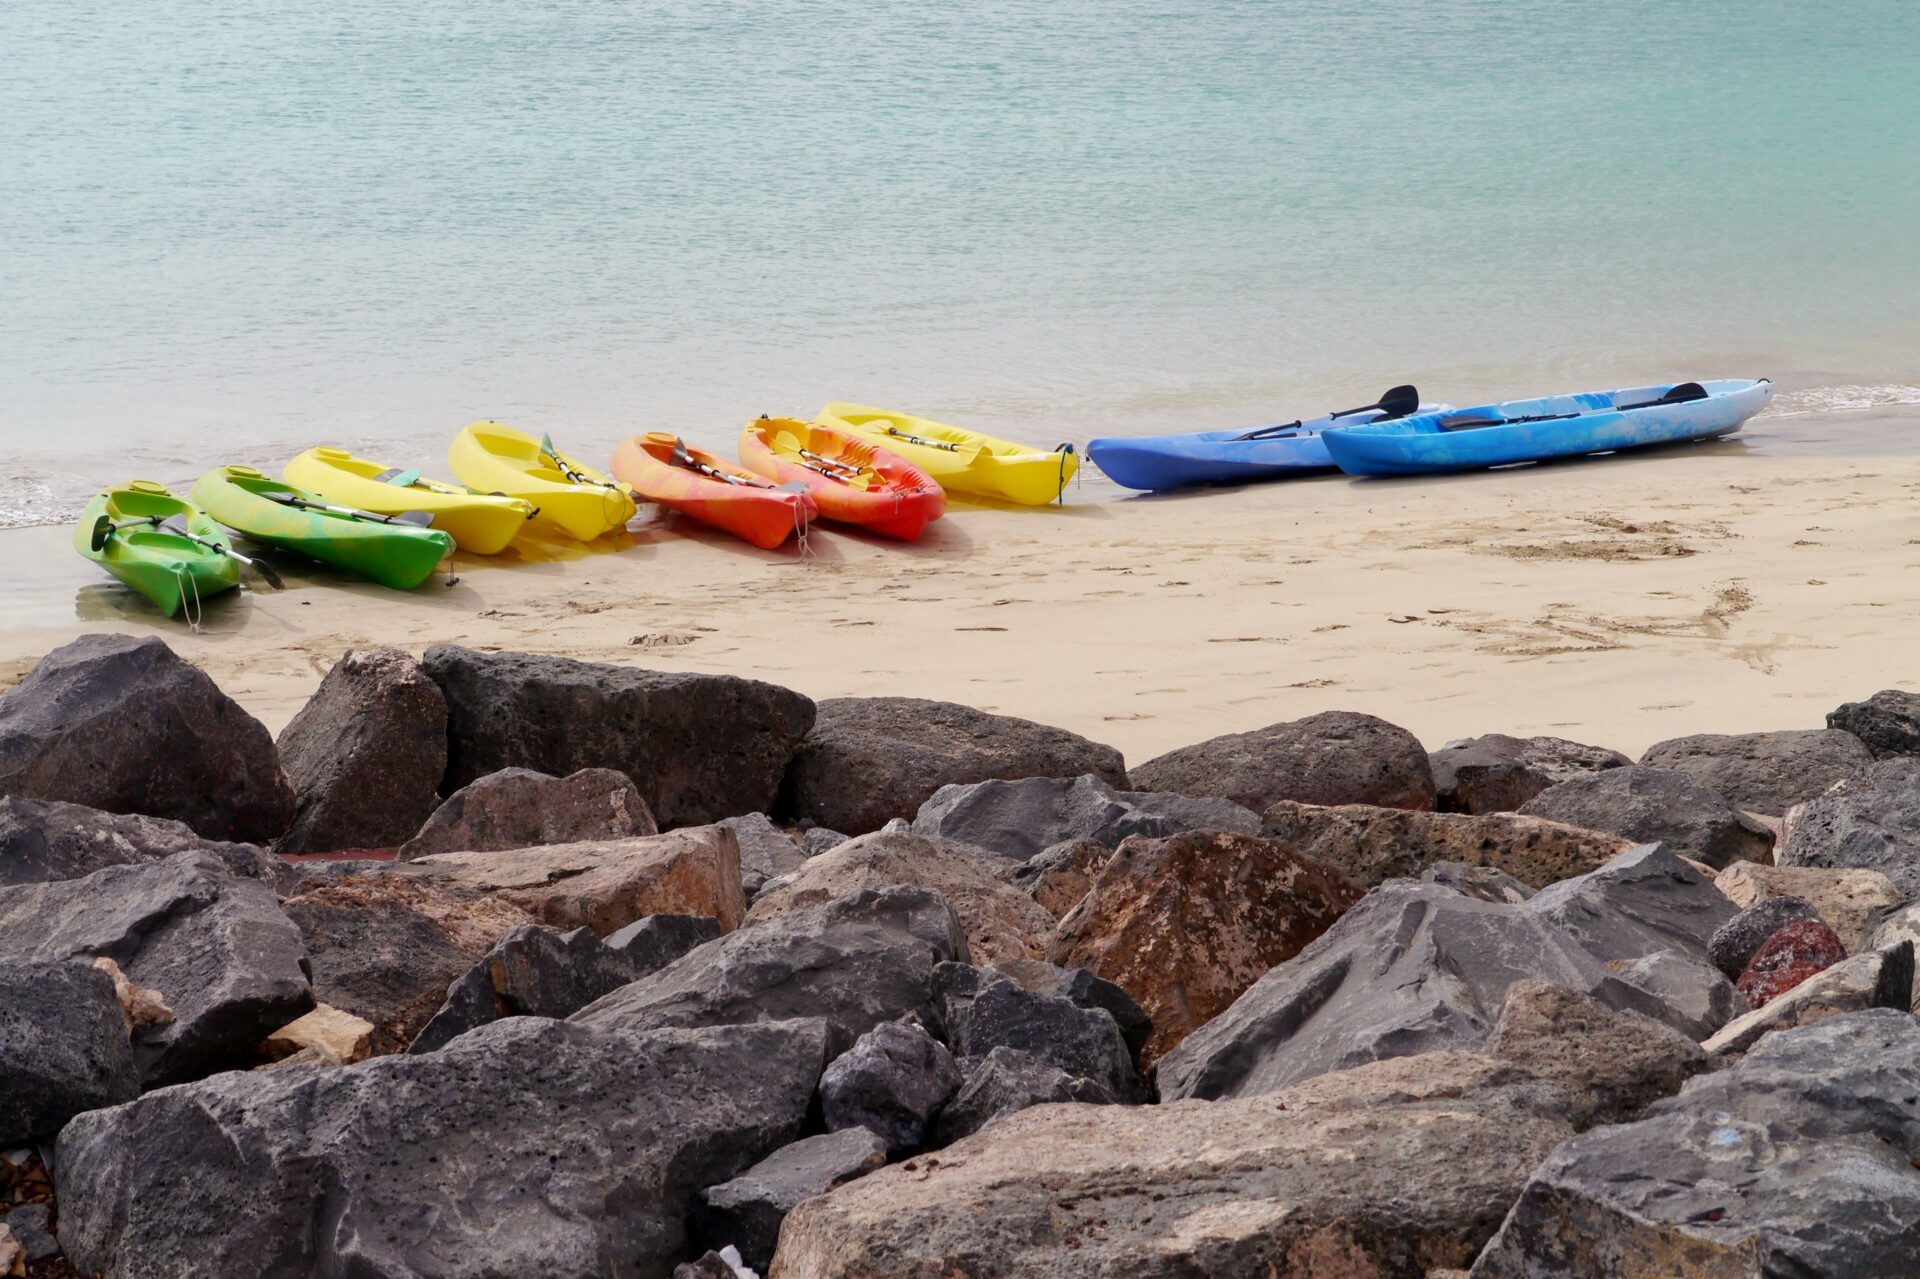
[1297,1002]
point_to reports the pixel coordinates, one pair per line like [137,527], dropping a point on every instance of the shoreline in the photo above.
[1615,600]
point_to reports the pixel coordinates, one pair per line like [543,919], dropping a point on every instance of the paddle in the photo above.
[826,466]
[104,528]
[1396,402]
[399,479]
[566,468]
[412,519]
[1685,393]
[680,456]
[970,452]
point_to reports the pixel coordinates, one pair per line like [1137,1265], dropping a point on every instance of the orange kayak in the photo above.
[659,468]
[853,481]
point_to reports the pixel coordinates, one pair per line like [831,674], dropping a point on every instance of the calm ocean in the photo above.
[233,228]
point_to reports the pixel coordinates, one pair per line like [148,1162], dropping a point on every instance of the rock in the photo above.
[1058,877]
[1734,942]
[1413,968]
[658,940]
[1005,1082]
[856,961]
[1789,956]
[1689,993]
[748,1210]
[1656,806]
[1088,991]
[725,1264]
[1611,1064]
[32,1227]
[342,1036]
[385,947]
[981,1010]
[1186,924]
[1887,724]
[139,1005]
[529,1147]
[1868,822]
[815,840]
[1371,845]
[699,747]
[1875,979]
[1383,1173]
[1849,900]
[218,948]
[766,851]
[871,759]
[539,972]
[44,839]
[1765,772]
[365,754]
[1483,882]
[63,1047]
[122,724]
[1645,900]
[1497,773]
[519,808]
[1335,757]
[1793,1161]
[13,1256]
[1001,921]
[1019,819]
[892,1082]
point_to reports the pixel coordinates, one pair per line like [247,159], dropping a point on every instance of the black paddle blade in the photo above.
[266,572]
[102,531]
[1685,393]
[1398,402]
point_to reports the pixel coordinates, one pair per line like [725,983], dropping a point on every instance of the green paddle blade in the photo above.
[420,518]
[404,479]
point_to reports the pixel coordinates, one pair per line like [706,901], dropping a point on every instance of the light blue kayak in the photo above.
[1557,426]
[1238,456]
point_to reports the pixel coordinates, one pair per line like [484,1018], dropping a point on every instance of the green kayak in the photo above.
[389,549]
[122,532]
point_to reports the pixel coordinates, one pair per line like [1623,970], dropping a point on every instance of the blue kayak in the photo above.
[1238,456]
[1557,426]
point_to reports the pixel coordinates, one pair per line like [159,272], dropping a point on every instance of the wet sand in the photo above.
[1748,584]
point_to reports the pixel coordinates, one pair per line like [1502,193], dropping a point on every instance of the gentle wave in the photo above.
[1842,399]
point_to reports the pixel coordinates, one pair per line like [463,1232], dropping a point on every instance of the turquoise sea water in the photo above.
[231,229]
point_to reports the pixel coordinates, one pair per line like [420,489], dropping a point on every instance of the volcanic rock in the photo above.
[1656,805]
[1371,845]
[1765,772]
[1335,757]
[519,808]
[1020,819]
[1497,773]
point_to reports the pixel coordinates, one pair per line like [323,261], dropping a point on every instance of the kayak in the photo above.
[381,547]
[660,468]
[568,495]
[1240,456]
[959,460]
[1557,426]
[852,481]
[121,532]
[482,523]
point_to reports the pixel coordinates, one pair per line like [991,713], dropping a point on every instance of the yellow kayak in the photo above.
[962,461]
[478,522]
[571,496]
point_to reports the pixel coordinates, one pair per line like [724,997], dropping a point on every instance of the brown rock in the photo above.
[1849,900]
[606,884]
[1061,875]
[140,1005]
[1611,1063]
[1185,924]
[339,1036]
[1382,1172]
[1370,845]
[1336,757]
[519,808]
[1001,922]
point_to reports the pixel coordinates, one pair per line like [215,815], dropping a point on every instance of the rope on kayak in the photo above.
[182,580]
[800,531]
[1065,451]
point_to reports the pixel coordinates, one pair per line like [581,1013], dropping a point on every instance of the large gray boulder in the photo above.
[1388,1171]
[856,961]
[537,972]
[1764,772]
[1656,806]
[1497,773]
[766,851]
[1005,1082]
[869,760]
[1797,1160]
[63,1047]
[1413,968]
[528,1147]
[699,747]
[521,808]
[1887,724]
[122,724]
[892,1082]
[1870,822]
[365,754]
[980,1010]
[1735,941]
[1645,900]
[1335,757]
[747,1211]
[1020,819]
[223,955]
[43,839]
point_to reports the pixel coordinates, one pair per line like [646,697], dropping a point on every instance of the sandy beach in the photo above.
[1615,600]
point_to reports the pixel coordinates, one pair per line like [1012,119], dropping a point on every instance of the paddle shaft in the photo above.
[1398,401]
[1681,394]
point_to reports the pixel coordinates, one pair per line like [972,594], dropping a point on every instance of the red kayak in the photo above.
[853,481]
[659,468]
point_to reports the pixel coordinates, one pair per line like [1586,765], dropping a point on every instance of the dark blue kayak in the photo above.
[1236,457]
[1557,426]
